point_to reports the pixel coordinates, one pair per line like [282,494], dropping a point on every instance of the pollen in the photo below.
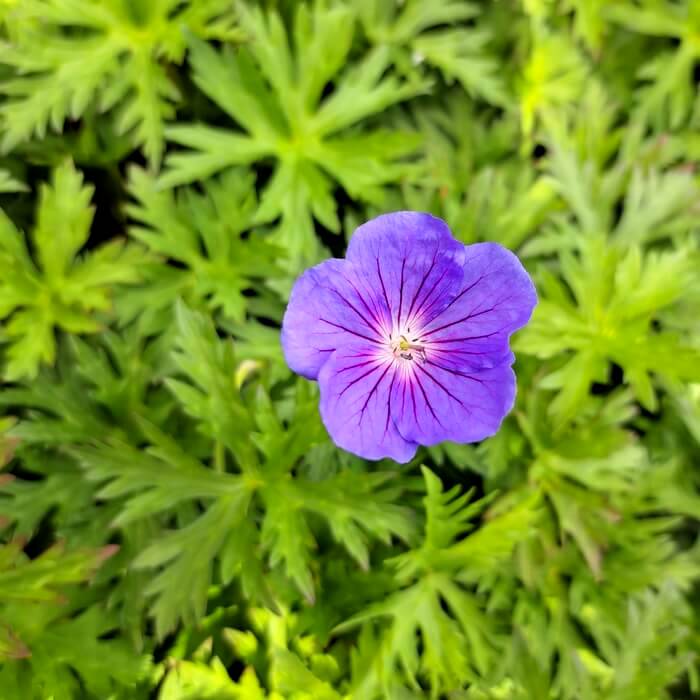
[407,349]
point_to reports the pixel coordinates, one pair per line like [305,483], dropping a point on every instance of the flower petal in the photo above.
[435,402]
[495,299]
[449,376]
[329,307]
[413,260]
[356,403]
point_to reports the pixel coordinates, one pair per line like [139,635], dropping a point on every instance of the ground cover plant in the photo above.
[175,521]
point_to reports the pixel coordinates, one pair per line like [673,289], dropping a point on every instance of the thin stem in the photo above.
[219,457]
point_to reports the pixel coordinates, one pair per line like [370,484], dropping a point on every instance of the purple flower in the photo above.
[408,336]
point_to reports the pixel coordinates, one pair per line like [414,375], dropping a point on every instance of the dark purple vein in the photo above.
[423,309]
[413,400]
[376,301]
[403,267]
[362,317]
[459,296]
[372,312]
[381,280]
[427,400]
[420,286]
[357,379]
[348,330]
[441,341]
[461,352]
[388,404]
[441,385]
[468,317]
[374,388]
[347,368]
[457,372]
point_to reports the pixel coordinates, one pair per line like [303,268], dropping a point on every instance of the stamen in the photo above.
[405,348]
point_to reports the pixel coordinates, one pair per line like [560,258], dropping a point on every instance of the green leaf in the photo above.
[111,54]
[189,680]
[552,79]
[460,55]
[220,261]
[291,676]
[58,289]
[156,479]
[616,297]
[40,579]
[71,656]
[433,605]
[211,396]
[272,88]
[413,31]
[667,98]
[180,588]
[10,184]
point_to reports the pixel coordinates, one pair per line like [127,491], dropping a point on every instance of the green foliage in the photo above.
[607,316]
[251,455]
[412,30]
[437,605]
[667,94]
[49,649]
[174,520]
[272,88]
[72,54]
[49,286]
[203,234]
[9,183]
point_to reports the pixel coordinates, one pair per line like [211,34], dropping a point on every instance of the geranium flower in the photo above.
[408,336]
